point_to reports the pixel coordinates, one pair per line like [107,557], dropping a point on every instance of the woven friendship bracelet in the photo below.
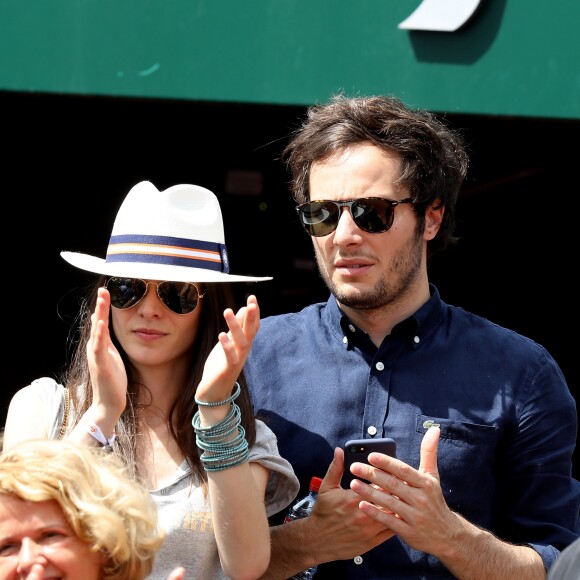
[230,399]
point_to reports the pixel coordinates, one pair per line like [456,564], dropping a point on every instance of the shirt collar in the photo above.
[422,322]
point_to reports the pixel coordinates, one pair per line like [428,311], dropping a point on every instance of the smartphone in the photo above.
[359,449]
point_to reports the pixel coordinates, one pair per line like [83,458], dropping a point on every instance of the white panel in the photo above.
[440,15]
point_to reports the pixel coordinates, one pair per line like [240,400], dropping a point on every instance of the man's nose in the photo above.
[346,226]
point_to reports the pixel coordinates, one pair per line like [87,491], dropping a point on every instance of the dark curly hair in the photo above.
[434,160]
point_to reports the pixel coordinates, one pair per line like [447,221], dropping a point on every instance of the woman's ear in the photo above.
[433,218]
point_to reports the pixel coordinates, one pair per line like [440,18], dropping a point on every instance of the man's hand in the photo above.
[405,500]
[336,530]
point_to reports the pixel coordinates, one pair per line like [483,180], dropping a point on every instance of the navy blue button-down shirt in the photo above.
[508,420]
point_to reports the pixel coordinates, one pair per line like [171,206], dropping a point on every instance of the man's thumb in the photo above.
[429,451]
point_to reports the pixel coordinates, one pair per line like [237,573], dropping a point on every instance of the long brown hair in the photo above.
[76,378]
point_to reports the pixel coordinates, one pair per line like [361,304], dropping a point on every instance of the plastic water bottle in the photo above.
[302,508]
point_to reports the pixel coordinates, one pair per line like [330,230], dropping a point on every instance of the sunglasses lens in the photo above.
[180,297]
[125,292]
[373,214]
[319,218]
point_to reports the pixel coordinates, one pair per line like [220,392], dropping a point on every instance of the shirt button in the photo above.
[351,328]
[358,560]
[372,430]
[416,340]
[380,366]
[344,340]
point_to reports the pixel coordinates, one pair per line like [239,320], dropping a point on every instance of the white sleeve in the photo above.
[35,411]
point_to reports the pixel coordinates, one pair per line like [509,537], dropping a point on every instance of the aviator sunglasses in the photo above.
[371,214]
[179,297]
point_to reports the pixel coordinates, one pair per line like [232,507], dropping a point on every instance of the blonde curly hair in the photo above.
[109,511]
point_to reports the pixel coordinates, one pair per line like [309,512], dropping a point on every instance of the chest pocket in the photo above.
[466,461]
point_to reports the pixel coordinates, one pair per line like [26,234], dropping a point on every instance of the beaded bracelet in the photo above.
[230,399]
[218,437]
[220,451]
[224,444]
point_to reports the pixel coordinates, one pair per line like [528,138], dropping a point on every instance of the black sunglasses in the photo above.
[371,214]
[179,297]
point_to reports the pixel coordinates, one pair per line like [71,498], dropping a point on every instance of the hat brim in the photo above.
[153,271]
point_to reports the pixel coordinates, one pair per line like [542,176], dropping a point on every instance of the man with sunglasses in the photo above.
[483,419]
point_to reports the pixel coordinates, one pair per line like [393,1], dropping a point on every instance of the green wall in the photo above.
[515,58]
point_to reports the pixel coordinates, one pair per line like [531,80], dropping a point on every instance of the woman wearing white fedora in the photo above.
[157,377]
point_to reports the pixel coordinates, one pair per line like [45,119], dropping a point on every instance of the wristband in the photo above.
[95,431]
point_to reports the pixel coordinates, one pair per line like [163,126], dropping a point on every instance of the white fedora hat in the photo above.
[176,234]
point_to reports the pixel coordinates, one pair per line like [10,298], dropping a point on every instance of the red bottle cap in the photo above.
[315,483]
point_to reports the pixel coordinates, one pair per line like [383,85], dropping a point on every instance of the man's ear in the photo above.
[433,219]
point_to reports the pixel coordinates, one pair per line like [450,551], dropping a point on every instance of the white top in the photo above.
[183,512]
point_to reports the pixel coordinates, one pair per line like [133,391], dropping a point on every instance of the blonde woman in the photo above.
[71,511]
